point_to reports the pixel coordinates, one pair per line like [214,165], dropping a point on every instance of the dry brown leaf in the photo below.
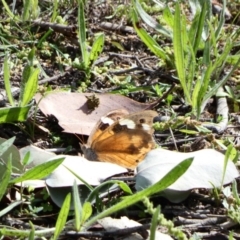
[73,113]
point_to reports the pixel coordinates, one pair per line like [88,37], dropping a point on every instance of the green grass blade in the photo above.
[204,88]
[154,224]
[62,217]
[10,14]
[10,207]
[5,178]
[221,82]
[39,171]
[195,93]
[29,85]
[235,192]
[168,17]
[193,28]
[79,177]
[148,40]
[14,114]
[206,53]
[220,60]
[55,10]
[97,49]
[150,21]
[178,45]
[32,232]
[82,33]
[29,81]
[109,183]
[221,20]
[199,29]
[6,145]
[7,84]
[166,181]
[226,159]
[26,9]
[86,212]
[77,207]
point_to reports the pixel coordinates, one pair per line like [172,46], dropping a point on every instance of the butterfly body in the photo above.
[122,139]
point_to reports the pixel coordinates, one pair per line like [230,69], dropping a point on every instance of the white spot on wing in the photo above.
[107,120]
[146,127]
[129,123]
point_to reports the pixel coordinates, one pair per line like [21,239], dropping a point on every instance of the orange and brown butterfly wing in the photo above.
[102,125]
[129,148]
[127,141]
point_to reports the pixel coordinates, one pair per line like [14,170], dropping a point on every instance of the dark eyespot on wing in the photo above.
[142,120]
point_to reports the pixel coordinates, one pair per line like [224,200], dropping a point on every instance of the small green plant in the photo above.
[28,87]
[89,54]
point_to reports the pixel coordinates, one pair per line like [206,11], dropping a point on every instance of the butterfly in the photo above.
[121,138]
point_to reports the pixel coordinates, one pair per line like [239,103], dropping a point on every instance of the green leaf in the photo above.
[10,207]
[55,10]
[31,57]
[97,49]
[186,131]
[148,40]
[82,33]
[77,206]
[39,171]
[32,232]
[230,150]
[26,10]
[62,217]
[79,177]
[10,14]
[154,223]
[14,114]
[29,85]
[29,81]
[203,89]
[124,187]
[26,160]
[235,192]
[221,82]
[5,178]
[168,17]
[6,145]
[199,29]
[162,184]
[178,45]
[86,212]
[108,184]
[222,20]
[150,21]
[7,84]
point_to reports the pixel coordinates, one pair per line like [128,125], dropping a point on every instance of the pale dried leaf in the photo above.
[206,171]
[72,111]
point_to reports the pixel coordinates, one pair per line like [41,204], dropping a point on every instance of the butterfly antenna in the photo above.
[80,139]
